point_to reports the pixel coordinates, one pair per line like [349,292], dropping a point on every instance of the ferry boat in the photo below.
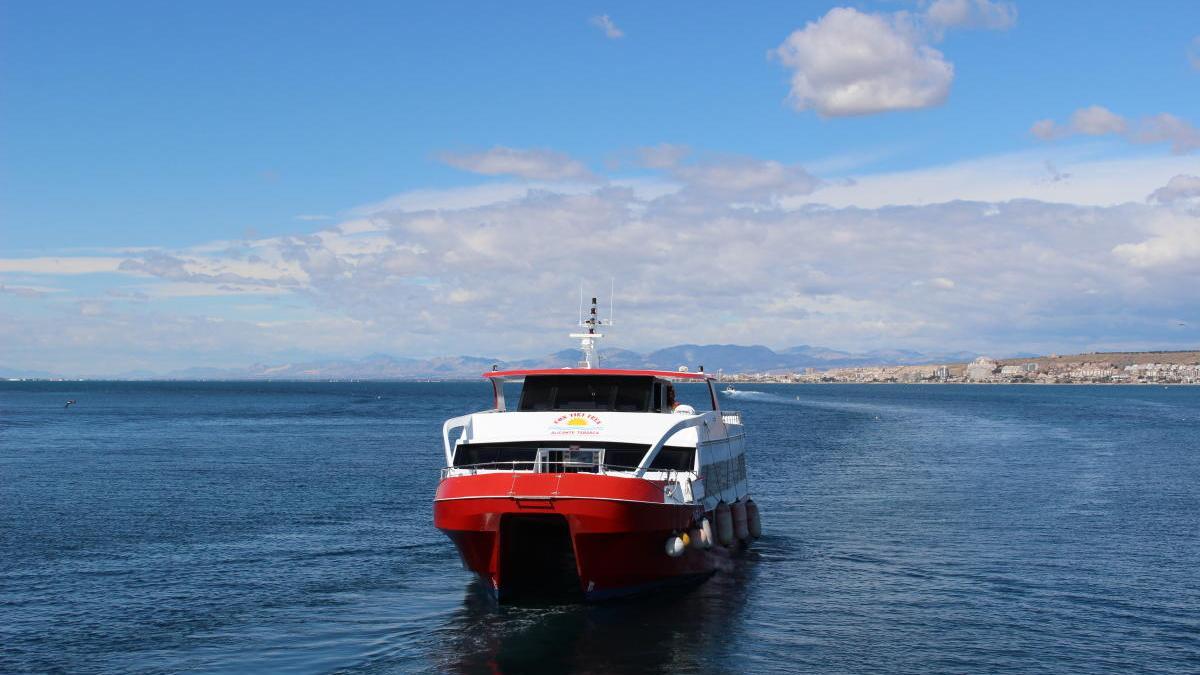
[594,483]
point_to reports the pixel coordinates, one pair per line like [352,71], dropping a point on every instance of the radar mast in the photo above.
[589,339]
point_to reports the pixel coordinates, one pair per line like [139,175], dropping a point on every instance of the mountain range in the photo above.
[729,358]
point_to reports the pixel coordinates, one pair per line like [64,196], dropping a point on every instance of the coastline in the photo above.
[974,384]
[725,380]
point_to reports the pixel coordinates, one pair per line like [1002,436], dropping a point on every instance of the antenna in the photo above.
[612,287]
[589,338]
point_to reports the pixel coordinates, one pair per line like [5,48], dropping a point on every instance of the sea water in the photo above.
[286,527]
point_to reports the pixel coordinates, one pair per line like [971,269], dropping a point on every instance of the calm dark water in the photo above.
[286,528]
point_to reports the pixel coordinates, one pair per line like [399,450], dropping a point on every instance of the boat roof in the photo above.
[665,374]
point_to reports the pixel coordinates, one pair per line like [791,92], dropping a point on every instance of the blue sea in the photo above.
[286,528]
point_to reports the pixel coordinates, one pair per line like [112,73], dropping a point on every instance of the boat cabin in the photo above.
[563,421]
[595,390]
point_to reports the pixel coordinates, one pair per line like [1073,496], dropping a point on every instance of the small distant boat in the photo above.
[729,390]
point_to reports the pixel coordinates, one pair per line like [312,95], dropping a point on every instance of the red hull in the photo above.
[617,529]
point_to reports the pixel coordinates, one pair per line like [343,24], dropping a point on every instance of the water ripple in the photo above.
[275,527]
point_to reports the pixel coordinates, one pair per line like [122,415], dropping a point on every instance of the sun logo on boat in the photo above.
[578,422]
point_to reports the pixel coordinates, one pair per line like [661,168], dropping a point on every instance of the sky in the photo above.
[227,183]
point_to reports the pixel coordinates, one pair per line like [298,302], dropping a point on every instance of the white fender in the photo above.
[701,535]
[753,521]
[676,545]
[741,529]
[724,524]
[706,533]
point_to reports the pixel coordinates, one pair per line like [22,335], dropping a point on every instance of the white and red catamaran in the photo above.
[596,483]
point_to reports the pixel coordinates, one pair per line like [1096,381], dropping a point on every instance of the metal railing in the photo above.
[462,421]
[569,460]
[555,463]
[596,465]
[686,423]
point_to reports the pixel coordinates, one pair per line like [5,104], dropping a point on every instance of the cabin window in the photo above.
[587,393]
[628,456]
[677,458]
[495,455]
[520,455]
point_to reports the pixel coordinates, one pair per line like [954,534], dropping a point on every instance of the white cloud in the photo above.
[606,26]
[198,289]
[994,275]
[358,226]
[811,274]
[534,164]
[1179,188]
[854,63]
[846,269]
[459,296]
[850,160]
[1167,128]
[91,307]
[1094,179]
[1099,121]
[1175,239]
[455,198]
[850,62]
[1046,130]
[472,196]
[60,265]
[662,156]
[233,273]
[972,14]
[745,179]
[1090,121]
[28,291]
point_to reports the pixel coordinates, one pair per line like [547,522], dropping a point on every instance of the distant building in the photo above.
[981,369]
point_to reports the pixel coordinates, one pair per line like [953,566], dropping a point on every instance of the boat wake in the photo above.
[754,395]
[803,402]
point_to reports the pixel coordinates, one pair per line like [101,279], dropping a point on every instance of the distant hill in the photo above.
[16,373]
[730,358]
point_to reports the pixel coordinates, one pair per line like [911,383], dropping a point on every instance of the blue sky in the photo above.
[158,146]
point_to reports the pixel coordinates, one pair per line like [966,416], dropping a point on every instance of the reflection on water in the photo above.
[684,629]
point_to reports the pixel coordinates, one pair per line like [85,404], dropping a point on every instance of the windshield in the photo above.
[588,392]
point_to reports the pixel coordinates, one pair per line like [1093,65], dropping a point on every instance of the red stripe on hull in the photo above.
[617,527]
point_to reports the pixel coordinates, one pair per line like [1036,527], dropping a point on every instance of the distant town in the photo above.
[733,363]
[1096,368]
